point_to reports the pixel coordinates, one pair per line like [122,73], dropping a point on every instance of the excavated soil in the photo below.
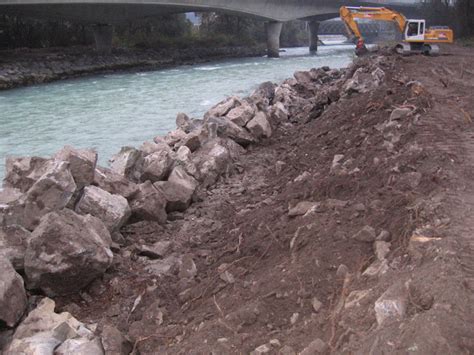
[260,273]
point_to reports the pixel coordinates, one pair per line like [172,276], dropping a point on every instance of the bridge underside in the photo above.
[117,11]
[110,12]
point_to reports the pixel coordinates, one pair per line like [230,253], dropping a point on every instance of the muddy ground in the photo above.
[265,278]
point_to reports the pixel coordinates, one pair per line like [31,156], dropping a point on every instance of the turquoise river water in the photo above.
[106,112]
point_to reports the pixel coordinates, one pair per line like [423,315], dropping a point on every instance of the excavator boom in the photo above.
[350,14]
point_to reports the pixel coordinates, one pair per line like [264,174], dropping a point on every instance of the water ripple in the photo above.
[110,111]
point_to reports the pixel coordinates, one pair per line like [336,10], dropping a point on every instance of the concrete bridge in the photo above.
[103,14]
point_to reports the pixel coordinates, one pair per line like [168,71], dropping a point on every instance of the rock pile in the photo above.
[59,216]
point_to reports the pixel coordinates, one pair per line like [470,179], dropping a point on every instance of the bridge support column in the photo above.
[103,38]
[313,27]
[273,38]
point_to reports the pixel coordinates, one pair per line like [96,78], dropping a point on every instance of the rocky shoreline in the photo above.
[300,217]
[62,217]
[23,67]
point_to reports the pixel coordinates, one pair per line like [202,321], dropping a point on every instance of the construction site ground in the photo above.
[276,283]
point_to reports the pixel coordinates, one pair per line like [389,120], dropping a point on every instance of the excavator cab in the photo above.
[415,30]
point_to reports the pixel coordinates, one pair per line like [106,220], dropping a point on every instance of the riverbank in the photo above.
[23,67]
[327,214]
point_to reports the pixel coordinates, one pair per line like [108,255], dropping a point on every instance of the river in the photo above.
[107,112]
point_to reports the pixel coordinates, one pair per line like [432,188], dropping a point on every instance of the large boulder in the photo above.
[66,252]
[53,191]
[284,94]
[80,346]
[12,206]
[82,163]
[113,210]
[23,172]
[157,166]
[184,159]
[235,150]
[364,80]
[114,183]
[180,177]
[12,294]
[303,77]
[212,160]
[259,126]
[172,138]
[177,198]
[114,342]
[151,147]
[278,112]
[148,204]
[223,107]
[187,124]
[43,331]
[127,163]
[193,140]
[13,241]
[240,115]
[228,129]
[264,94]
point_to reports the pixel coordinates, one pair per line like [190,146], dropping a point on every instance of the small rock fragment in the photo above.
[155,251]
[275,342]
[279,167]
[381,249]
[399,113]
[304,176]
[392,304]
[342,271]
[224,274]
[187,268]
[315,347]
[301,208]
[354,297]
[366,234]
[316,304]
[384,236]
[294,318]
[377,268]
[336,161]
[287,350]
[262,349]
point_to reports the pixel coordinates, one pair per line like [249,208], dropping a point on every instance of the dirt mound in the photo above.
[347,231]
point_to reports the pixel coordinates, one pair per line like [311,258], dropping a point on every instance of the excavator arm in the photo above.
[350,14]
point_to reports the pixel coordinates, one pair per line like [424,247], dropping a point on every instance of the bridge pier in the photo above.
[273,38]
[103,34]
[313,27]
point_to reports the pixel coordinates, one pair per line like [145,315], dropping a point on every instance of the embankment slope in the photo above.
[348,230]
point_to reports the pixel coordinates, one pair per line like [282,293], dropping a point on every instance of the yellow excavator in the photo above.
[416,37]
